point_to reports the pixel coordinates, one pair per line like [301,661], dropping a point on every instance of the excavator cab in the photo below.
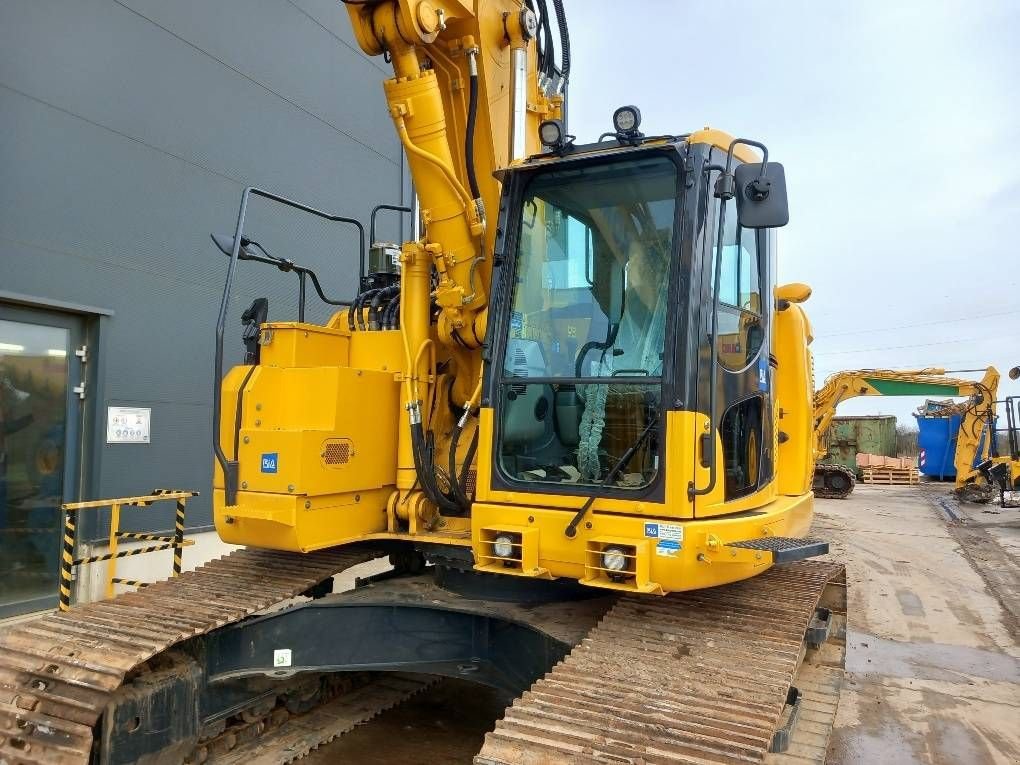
[600,311]
[630,367]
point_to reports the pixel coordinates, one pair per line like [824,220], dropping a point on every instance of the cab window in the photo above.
[741,330]
[590,300]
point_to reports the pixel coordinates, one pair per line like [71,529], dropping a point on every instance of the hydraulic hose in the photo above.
[395,315]
[390,313]
[384,294]
[425,468]
[458,482]
[458,491]
[359,304]
[561,22]
[350,312]
[550,51]
[469,139]
[465,468]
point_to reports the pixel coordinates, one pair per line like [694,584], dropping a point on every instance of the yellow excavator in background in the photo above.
[975,447]
[577,391]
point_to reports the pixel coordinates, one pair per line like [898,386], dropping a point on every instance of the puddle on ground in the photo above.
[867,654]
[886,745]
[910,604]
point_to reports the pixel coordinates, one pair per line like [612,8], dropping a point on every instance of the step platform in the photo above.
[785,549]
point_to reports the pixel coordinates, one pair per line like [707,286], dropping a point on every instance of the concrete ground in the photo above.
[933,660]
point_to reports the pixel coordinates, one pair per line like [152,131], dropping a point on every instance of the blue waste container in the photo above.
[936,439]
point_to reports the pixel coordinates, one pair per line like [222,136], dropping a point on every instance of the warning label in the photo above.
[673,531]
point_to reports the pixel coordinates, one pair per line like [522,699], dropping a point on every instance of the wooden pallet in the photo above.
[890,476]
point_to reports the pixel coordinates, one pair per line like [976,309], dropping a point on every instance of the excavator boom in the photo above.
[974,443]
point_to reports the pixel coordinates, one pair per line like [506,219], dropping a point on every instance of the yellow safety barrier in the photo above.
[177,541]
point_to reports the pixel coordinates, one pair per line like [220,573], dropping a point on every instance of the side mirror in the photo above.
[761,195]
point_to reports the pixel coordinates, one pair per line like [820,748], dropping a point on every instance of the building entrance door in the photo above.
[40,422]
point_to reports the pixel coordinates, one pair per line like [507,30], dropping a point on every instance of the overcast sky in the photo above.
[898,124]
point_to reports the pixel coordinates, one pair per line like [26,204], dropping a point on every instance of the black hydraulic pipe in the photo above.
[359,306]
[426,471]
[549,48]
[390,312]
[386,293]
[469,138]
[455,486]
[469,457]
[459,481]
[561,22]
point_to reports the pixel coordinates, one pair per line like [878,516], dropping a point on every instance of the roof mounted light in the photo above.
[627,120]
[551,134]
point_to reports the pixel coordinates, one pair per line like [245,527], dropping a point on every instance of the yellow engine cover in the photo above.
[316,450]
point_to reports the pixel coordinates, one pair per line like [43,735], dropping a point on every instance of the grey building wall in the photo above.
[128,130]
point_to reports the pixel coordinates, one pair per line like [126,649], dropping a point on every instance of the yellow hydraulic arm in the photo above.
[447,56]
[915,382]
[466,97]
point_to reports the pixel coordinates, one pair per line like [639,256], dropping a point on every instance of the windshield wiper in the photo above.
[571,530]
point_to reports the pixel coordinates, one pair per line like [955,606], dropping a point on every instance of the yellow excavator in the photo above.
[569,406]
[976,450]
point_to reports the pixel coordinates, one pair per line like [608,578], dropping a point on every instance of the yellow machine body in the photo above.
[320,428]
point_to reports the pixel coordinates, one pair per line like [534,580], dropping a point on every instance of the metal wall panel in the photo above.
[129,130]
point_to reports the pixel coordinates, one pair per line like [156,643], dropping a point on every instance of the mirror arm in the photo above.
[747,142]
[725,186]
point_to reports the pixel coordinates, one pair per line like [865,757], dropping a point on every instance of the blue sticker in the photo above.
[667,548]
[270,462]
[763,373]
[651,530]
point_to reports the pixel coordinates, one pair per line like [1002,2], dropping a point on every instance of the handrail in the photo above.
[230,467]
[375,210]
[177,541]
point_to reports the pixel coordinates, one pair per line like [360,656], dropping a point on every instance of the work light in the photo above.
[614,559]
[550,133]
[503,546]
[627,120]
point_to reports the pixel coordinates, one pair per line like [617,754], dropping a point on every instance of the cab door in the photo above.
[743,430]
